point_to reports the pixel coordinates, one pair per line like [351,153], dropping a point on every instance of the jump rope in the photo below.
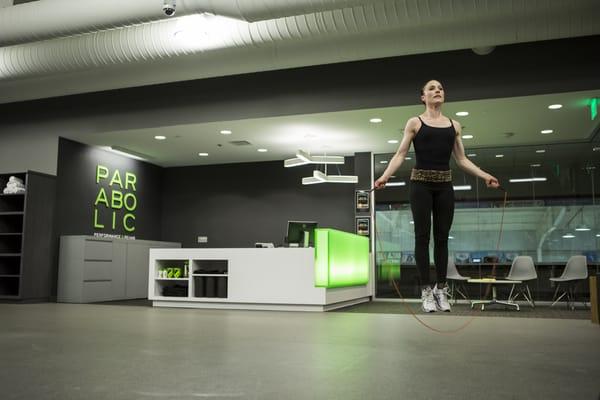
[493,274]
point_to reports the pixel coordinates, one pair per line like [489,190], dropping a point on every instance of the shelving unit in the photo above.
[207,279]
[26,224]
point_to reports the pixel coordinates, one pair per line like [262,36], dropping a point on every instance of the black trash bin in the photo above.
[210,285]
[199,290]
[222,287]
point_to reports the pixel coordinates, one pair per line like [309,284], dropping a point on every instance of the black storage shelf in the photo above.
[11,222]
[9,286]
[10,244]
[10,265]
[12,203]
[26,221]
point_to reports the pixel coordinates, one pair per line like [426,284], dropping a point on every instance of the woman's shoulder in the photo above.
[457,126]
[414,123]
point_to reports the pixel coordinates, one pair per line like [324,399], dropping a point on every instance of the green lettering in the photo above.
[116,179]
[133,205]
[101,173]
[117,199]
[96,224]
[130,179]
[127,227]
[101,198]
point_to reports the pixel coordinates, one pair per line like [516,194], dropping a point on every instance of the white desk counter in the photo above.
[254,279]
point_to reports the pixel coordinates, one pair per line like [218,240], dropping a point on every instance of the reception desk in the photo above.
[334,274]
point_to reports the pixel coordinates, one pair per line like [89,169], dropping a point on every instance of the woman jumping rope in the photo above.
[435,137]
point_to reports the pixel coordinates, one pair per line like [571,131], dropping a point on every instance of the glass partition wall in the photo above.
[549,218]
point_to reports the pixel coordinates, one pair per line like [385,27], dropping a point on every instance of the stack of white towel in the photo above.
[14,185]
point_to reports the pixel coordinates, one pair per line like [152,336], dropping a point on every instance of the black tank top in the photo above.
[433,146]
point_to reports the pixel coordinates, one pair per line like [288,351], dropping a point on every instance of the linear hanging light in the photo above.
[518,180]
[303,158]
[320,177]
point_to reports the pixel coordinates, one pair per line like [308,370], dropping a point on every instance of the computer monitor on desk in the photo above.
[301,233]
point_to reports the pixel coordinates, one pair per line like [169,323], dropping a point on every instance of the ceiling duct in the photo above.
[45,19]
[149,50]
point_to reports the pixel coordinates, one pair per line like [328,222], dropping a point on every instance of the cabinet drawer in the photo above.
[96,291]
[97,270]
[98,250]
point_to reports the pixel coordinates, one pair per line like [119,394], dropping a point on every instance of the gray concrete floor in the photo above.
[68,351]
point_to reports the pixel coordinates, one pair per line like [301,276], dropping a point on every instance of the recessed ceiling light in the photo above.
[383,162]
[408,158]
[467,136]
[411,222]
[555,106]
[569,236]
[226,132]
[597,234]
[540,151]
[160,137]
[375,120]
[546,131]
[462,113]
[472,155]
[203,154]
[262,150]
[392,141]
[450,237]
[536,165]
[499,155]
[596,149]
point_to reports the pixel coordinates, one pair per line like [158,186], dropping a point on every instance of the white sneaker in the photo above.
[428,300]
[441,298]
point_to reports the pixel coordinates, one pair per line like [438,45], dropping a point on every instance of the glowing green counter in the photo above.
[341,259]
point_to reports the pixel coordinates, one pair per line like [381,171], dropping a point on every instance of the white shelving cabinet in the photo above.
[254,279]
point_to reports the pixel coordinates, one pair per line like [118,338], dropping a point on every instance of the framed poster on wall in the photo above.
[363,226]
[362,201]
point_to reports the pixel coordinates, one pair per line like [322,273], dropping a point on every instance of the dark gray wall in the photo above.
[236,205]
[77,191]
[30,129]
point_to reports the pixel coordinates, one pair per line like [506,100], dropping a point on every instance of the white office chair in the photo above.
[522,269]
[457,281]
[575,271]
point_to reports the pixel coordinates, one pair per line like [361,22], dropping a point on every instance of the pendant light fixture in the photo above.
[582,227]
[304,158]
